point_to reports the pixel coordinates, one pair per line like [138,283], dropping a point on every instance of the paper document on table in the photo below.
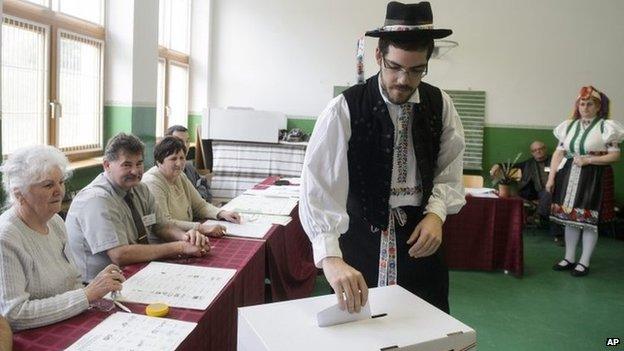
[125,331]
[291,191]
[176,285]
[247,230]
[481,192]
[334,315]
[259,204]
[258,218]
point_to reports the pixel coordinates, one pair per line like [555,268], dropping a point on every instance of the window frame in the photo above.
[172,57]
[55,22]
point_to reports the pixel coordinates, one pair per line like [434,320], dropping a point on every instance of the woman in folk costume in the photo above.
[582,177]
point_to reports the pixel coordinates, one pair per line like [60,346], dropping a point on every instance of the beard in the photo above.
[399,93]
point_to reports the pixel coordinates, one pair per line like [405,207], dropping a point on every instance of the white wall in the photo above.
[130,74]
[199,80]
[119,52]
[530,56]
[145,48]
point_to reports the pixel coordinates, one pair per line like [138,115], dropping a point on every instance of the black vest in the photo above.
[371,146]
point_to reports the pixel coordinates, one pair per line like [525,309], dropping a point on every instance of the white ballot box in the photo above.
[409,323]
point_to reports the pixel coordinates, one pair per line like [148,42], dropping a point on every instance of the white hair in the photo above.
[29,165]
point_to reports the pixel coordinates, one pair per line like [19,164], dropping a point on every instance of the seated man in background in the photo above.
[534,177]
[199,182]
[109,221]
[534,174]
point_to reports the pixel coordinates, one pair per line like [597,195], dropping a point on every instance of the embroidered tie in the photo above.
[387,249]
[136,218]
[400,150]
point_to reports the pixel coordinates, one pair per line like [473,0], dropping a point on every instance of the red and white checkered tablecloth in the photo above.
[216,329]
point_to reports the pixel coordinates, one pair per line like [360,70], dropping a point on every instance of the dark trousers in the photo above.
[425,277]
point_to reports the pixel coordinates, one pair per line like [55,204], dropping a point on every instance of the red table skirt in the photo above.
[486,235]
[290,263]
[216,328]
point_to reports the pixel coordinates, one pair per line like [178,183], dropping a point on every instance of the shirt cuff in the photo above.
[212,211]
[325,245]
[436,207]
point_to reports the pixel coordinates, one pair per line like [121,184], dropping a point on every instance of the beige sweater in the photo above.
[180,202]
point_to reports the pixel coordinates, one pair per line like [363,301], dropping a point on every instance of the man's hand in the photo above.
[495,171]
[347,282]
[190,250]
[229,216]
[196,238]
[427,235]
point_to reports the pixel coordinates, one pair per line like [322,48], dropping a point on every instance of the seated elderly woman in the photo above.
[176,196]
[39,284]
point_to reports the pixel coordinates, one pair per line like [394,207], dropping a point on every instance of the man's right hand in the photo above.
[191,250]
[347,282]
[495,171]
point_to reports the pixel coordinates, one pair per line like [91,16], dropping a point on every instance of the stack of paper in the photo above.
[291,191]
[481,192]
[176,285]
[257,218]
[247,230]
[129,331]
[281,206]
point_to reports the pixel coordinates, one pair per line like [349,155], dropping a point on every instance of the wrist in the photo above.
[87,294]
[434,216]
[180,249]
[330,260]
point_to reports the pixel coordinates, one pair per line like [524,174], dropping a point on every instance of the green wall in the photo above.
[502,143]
[306,125]
[138,120]
[193,123]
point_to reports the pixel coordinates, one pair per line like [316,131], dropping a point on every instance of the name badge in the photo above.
[547,169]
[149,219]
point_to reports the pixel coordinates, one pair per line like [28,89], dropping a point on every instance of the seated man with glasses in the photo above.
[383,168]
[533,182]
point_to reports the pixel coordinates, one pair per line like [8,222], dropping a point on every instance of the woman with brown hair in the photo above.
[581,176]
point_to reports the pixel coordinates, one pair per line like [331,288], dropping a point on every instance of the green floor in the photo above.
[544,310]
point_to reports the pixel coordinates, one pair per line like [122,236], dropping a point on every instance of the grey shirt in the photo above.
[39,285]
[99,220]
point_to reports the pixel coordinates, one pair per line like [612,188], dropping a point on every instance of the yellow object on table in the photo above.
[157,310]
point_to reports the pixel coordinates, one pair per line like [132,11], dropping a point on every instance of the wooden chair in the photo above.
[472,181]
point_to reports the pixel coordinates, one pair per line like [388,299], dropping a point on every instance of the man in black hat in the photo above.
[383,168]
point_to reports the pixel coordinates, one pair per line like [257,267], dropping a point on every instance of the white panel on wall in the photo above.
[241,124]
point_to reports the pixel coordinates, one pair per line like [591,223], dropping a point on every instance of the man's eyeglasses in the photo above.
[411,72]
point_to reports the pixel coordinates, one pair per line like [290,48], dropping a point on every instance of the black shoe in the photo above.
[569,265]
[577,273]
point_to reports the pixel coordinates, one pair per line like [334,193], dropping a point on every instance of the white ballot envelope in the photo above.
[334,315]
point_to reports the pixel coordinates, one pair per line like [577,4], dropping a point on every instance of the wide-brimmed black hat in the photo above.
[409,21]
